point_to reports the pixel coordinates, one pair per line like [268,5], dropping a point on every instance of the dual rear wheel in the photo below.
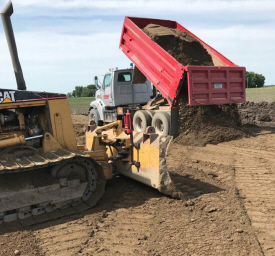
[141,120]
[159,120]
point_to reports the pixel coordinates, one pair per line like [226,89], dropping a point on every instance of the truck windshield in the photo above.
[124,77]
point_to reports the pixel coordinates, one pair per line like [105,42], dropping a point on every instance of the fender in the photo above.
[99,105]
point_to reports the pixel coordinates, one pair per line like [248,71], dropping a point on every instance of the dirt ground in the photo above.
[229,208]
[79,122]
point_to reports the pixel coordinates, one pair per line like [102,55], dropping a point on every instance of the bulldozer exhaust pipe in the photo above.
[6,20]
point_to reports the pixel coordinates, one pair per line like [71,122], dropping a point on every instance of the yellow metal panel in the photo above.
[49,143]
[59,128]
[147,155]
[62,125]
[23,104]
[149,171]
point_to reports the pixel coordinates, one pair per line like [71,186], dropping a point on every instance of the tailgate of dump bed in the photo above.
[215,85]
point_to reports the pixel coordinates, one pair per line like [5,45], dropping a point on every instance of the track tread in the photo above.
[42,161]
[28,221]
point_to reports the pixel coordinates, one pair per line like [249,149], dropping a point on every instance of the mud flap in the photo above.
[152,158]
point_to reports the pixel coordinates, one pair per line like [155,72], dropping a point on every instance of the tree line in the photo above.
[83,91]
[254,80]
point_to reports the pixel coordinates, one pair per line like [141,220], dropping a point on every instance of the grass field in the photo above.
[261,94]
[81,105]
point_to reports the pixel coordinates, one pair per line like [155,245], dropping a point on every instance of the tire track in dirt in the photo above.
[255,179]
[141,221]
[65,239]
[69,235]
[144,222]
[127,228]
[254,166]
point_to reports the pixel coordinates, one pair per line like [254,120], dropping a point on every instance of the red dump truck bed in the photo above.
[223,83]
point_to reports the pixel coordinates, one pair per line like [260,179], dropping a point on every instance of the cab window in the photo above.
[107,80]
[124,77]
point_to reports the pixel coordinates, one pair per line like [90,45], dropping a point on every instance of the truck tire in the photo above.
[141,120]
[150,113]
[161,123]
[93,117]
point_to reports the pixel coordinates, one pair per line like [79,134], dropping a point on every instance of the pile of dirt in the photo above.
[203,125]
[261,114]
[183,47]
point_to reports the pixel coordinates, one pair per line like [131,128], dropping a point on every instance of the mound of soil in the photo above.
[261,114]
[183,47]
[209,124]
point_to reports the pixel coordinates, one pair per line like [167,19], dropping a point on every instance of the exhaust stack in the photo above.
[5,16]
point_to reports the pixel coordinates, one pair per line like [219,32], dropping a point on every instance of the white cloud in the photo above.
[244,9]
[176,5]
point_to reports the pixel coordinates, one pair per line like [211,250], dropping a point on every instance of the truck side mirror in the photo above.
[96,83]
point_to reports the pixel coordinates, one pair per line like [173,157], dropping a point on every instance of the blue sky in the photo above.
[65,43]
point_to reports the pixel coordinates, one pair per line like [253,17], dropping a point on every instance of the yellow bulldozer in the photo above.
[44,174]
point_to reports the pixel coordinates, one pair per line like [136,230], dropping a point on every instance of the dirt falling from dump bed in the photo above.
[183,47]
[209,124]
[203,124]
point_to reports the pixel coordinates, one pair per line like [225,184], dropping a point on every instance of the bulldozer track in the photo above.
[36,213]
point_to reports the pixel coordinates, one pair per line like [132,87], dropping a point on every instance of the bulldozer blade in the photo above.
[151,169]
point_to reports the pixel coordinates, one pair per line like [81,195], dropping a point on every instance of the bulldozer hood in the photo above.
[15,96]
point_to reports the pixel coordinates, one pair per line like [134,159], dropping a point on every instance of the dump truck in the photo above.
[222,83]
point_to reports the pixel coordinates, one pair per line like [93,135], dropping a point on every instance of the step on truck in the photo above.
[223,83]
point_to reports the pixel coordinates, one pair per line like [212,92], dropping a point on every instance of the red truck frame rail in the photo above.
[223,83]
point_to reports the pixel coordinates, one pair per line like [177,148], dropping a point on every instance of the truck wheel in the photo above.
[141,120]
[161,123]
[93,117]
[150,113]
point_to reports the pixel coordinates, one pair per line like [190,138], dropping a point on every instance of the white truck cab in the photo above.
[117,91]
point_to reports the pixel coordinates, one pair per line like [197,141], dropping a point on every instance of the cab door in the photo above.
[106,96]
[123,89]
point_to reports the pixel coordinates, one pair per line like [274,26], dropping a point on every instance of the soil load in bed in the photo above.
[198,125]
[184,48]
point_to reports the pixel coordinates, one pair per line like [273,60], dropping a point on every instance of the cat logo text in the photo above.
[7,96]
